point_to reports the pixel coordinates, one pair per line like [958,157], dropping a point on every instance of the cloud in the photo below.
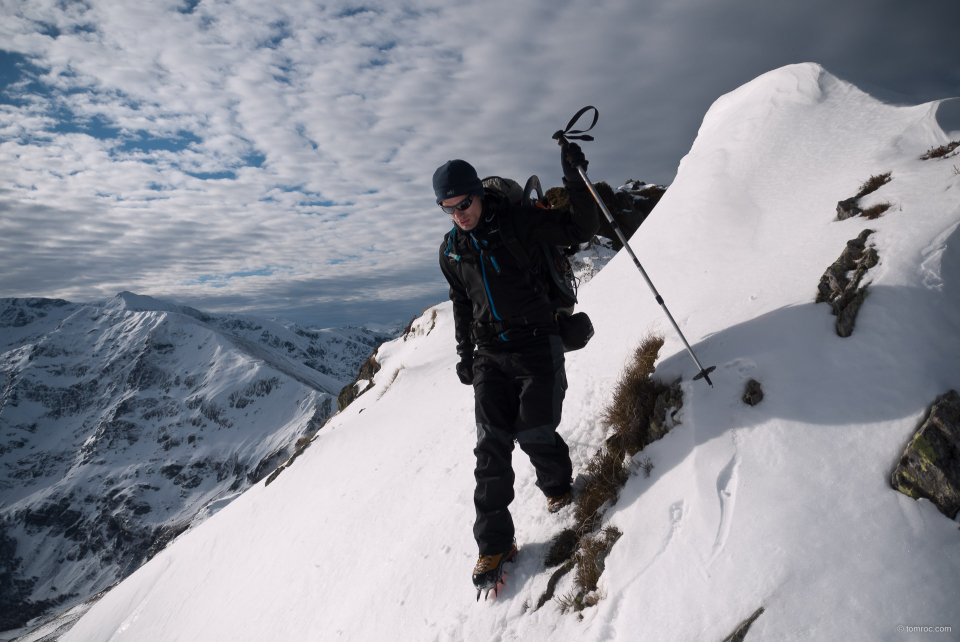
[276,157]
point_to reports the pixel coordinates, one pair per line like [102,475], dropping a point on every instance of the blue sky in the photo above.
[274,157]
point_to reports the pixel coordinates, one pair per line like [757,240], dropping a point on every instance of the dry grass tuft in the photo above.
[633,400]
[646,465]
[606,475]
[629,416]
[591,556]
[872,184]
[393,378]
[940,152]
[876,211]
[569,602]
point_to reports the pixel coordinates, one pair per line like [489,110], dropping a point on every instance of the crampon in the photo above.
[488,573]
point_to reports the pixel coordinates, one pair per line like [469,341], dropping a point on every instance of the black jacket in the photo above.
[487,282]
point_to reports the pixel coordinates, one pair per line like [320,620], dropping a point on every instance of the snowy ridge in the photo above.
[123,423]
[786,505]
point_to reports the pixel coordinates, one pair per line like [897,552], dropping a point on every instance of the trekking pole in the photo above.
[562,137]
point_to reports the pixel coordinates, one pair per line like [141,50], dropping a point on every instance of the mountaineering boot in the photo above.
[489,570]
[554,504]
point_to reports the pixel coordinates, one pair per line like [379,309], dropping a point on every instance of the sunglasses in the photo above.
[462,205]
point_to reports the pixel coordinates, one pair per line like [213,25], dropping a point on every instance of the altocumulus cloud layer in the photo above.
[275,156]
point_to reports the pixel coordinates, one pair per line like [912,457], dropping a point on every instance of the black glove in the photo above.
[465,371]
[570,157]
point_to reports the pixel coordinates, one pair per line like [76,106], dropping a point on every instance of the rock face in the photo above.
[629,204]
[668,403]
[842,289]
[362,382]
[741,633]
[753,394]
[930,466]
[848,208]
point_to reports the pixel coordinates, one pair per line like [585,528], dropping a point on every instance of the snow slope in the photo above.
[785,505]
[123,422]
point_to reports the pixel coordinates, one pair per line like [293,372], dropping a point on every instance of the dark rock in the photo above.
[668,403]
[753,394]
[188,481]
[139,508]
[16,609]
[848,208]
[629,206]
[55,516]
[321,413]
[163,536]
[561,548]
[553,581]
[741,632]
[930,466]
[841,289]
[171,470]
[260,388]
[266,465]
[273,475]
[625,201]
[348,393]
[369,368]
[847,316]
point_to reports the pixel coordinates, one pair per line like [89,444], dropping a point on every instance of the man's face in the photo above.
[466,219]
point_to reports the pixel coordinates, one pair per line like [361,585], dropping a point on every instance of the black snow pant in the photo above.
[519,395]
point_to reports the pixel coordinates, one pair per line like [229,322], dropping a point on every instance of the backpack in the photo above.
[576,330]
[554,268]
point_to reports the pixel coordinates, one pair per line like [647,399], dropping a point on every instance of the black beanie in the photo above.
[454,178]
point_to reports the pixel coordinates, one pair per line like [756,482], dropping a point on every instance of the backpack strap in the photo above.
[449,251]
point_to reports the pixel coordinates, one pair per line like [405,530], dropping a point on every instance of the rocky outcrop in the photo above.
[840,284]
[361,384]
[668,403]
[741,632]
[850,207]
[753,394]
[930,466]
[629,205]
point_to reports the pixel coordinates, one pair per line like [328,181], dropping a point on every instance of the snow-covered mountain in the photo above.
[786,505]
[124,422]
